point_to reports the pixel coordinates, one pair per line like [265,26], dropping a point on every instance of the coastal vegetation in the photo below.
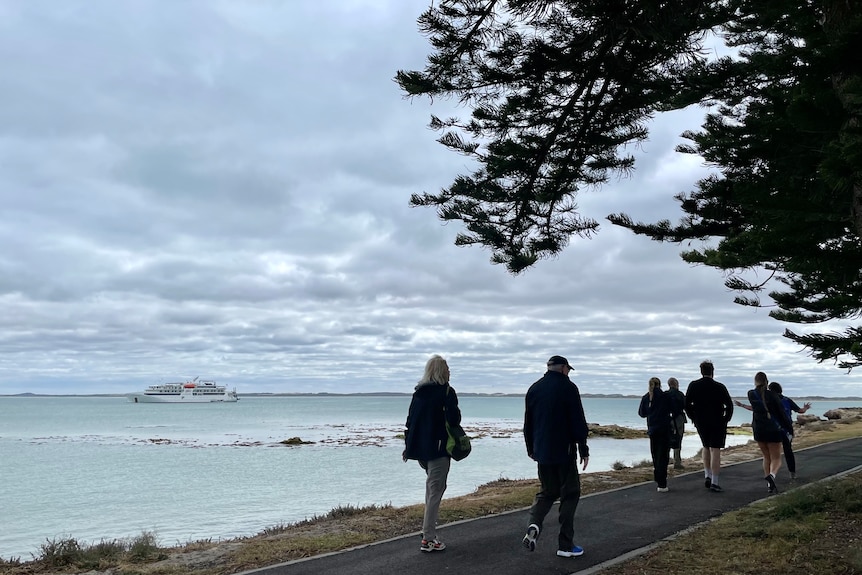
[806,528]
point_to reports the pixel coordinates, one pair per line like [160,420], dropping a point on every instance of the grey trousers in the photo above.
[436,472]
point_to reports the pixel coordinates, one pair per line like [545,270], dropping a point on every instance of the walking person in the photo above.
[787,440]
[555,432]
[655,406]
[769,424]
[709,407]
[434,402]
[677,400]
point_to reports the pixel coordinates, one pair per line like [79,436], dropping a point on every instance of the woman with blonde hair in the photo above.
[770,425]
[656,408]
[434,403]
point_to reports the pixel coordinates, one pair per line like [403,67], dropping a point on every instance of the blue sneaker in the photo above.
[531,536]
[575,552]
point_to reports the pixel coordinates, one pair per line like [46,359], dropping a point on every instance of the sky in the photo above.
[221,189]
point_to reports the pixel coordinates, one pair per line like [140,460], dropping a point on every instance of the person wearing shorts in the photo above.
[710,407]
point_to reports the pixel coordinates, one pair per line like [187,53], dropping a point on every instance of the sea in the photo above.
[103,468]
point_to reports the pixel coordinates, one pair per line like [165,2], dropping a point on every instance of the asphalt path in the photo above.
[610,526]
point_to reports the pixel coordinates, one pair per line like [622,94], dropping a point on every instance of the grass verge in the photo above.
[817,529]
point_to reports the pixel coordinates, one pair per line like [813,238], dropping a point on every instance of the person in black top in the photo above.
[425,440]
[679,420]
[555,432]
[709,407]
[656,407]
[789,407]
[770,425]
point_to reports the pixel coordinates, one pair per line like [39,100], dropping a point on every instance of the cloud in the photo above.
[221,189]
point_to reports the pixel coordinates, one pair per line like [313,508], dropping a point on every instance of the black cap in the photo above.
[559,360]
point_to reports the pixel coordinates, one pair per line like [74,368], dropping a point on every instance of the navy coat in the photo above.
[425,433]
[554,424]
[659,412]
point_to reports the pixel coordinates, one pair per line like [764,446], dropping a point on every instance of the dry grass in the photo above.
[698,552]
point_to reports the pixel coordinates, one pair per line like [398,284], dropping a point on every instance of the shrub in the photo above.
[62,552]
[144,547]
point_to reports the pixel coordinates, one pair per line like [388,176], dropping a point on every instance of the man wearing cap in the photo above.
[555,430]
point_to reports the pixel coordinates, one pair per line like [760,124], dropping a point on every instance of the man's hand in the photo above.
[584,462]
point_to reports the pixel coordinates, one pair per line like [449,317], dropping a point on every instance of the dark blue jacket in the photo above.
[554,424]
[425,433]
[659,412]
[770,415]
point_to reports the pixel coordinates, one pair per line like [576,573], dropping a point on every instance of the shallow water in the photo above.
[102,467]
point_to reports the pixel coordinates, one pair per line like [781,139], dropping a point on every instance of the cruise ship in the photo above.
[194,391]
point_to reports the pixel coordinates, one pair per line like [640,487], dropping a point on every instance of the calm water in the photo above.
[94,468]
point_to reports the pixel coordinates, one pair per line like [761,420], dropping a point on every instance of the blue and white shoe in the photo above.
[575,552]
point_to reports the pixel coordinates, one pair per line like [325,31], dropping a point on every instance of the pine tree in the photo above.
[557,88]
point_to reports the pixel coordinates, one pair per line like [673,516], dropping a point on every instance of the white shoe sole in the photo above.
[562,553]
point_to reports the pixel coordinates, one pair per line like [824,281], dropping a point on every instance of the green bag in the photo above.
[457,442]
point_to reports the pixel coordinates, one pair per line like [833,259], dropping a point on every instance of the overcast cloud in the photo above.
[220,189]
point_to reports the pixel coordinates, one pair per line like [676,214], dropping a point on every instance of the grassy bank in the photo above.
[817,529]
[801,524]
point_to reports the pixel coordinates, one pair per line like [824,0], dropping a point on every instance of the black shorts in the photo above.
[771,434]
[712,436]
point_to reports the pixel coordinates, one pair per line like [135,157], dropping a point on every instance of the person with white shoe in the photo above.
[555,431]
[656,407]
[709,406]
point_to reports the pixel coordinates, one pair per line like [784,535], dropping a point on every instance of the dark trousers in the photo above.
[788,454]
[558,482]
[659,446]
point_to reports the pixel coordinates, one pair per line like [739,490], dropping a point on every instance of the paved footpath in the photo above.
[610,525]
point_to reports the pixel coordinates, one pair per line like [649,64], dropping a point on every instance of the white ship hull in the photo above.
[188,392]
[182,398]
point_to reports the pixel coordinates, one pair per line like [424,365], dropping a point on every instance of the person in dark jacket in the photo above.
[770,426]
[677,400]
[709,407]
[555,431]
[789,407]
[657,409]
[434,402]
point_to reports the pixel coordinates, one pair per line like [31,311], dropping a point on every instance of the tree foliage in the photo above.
[557,89]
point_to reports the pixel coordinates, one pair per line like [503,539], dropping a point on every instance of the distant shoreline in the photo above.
[402,394]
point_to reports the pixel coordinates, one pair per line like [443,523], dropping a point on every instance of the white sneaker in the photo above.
[575,552]
[531,536]
[662,489]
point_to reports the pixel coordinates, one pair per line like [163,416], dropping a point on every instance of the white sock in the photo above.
[715,478]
